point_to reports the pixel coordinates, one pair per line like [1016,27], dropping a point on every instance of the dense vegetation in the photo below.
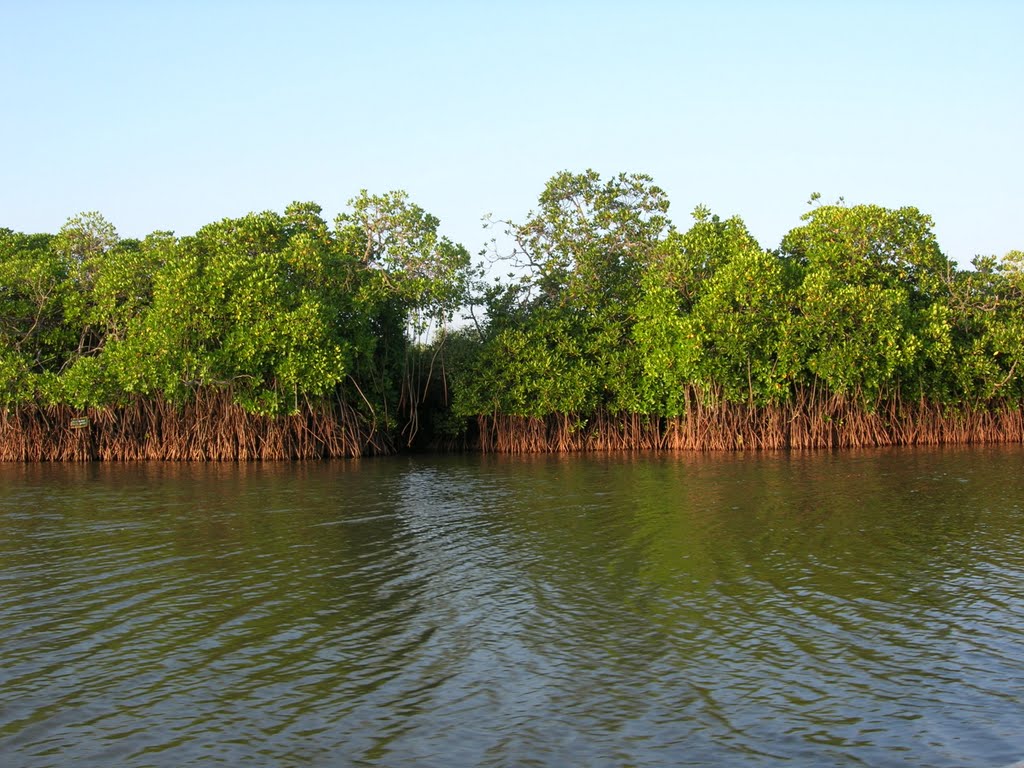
[267,336]
[275,336]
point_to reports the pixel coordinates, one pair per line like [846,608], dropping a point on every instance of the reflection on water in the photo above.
[811,609]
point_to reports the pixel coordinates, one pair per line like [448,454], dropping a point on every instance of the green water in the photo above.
[629,610]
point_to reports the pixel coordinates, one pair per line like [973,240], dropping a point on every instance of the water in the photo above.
[801,609]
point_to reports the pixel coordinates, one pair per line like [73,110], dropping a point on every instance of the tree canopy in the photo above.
[609,313]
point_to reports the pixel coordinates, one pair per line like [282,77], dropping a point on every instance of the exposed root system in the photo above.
[806,423]
[210,428]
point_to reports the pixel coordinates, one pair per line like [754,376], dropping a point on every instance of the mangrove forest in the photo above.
[607,327]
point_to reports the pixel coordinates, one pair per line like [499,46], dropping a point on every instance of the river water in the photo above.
[807,609]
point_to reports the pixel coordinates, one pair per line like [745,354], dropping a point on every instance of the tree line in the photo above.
[278,336]
[266,336]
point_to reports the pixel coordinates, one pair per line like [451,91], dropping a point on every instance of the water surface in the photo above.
[861,608]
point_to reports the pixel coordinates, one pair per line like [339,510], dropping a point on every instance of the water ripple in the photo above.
[810,610]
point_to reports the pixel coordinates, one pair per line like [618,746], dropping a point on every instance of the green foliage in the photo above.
[533,370]
[425,272]
[588,241]
[259,305]
[559,339]
[868,244]
[869,321]
[986,318]
[712,316]
[617,311]
[35,339]
[279,310]
[740,321]
[607,309]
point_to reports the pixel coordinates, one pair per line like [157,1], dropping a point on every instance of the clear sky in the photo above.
[169,115]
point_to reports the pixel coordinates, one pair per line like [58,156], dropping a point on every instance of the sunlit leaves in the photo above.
[278,310]
[859,302]
[872,276]
[35,337]
[411,261]
[560,336]
[607,309]
[713,314]
[588,239]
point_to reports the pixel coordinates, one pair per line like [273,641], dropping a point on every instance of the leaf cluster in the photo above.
[615,309]
[280,310]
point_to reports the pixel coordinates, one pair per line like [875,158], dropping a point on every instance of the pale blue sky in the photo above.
[169,115]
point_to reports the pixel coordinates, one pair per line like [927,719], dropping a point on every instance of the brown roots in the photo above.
[210,428]
[213,428]
[811,423]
